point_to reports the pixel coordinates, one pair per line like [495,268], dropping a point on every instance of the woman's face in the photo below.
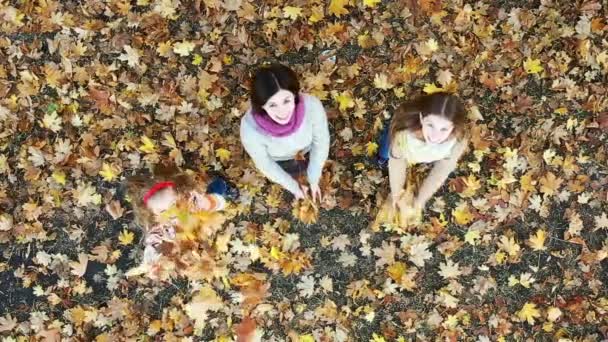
[281,106]
[436,129]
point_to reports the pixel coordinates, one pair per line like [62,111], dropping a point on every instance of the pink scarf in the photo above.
[267,125]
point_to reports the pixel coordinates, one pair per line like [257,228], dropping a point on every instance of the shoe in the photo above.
[223,188]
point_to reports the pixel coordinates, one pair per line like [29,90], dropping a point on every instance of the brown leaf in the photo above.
[114,209]
[79,268]
[245,331]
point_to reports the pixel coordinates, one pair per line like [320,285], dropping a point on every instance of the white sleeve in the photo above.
[320,140]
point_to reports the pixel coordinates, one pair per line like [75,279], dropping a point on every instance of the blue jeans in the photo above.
[384,145]
[220,186]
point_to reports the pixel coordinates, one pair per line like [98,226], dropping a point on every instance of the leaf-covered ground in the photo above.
[514,247]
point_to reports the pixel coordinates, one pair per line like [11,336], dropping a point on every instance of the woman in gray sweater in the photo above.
[281,123]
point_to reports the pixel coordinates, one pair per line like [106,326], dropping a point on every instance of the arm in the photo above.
[397,168]
[320,142]
[265,164]
[440,172]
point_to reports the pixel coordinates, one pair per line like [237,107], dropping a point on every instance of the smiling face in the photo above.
[281,106]
[436,129]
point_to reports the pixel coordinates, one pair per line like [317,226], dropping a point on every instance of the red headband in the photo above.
[156,188]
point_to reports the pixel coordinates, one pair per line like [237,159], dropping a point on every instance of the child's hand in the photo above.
[409,211]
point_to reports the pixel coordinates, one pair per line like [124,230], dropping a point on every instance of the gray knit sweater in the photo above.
[312,136]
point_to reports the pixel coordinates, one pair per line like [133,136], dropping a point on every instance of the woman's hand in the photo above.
[315,192]
[301,193]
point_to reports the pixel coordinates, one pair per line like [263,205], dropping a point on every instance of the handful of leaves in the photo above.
[404,214]
[306,210]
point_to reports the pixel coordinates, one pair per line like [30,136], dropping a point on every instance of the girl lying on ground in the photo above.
[281,124]
[429,129]
[153,197]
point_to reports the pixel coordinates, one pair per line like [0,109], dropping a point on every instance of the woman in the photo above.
[429,129]
[281,124]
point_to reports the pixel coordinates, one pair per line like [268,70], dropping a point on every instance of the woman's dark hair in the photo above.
[268,80]
[407,116]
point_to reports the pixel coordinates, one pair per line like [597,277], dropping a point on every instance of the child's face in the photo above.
[162,200]
[436,129]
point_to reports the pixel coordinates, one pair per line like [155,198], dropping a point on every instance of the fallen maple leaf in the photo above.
[222,154]
[431,88]
[537,242]
[449,270]
[533,66]
[183,48]
[109,172]
[381,82]
[148,145]
[79,268]
[528,313]
[7,323]
[292,12]
[115,209]
[345,101]
[337,7]
[126,237]
[462,215]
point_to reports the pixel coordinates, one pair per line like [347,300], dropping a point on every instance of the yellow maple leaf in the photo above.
[337,7]
[431,88]
[108,172]
[533,66]
[276,253]
[197,60]
[472,184]
[183,48]
[528,312]
[292,12]
[371,3]
[126,237]
[154,327]
[345,101]
[317,14]
[462,216]
[371,148]
[537,242]
[397,270]
[59,177]
[148,145]
[223,154]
